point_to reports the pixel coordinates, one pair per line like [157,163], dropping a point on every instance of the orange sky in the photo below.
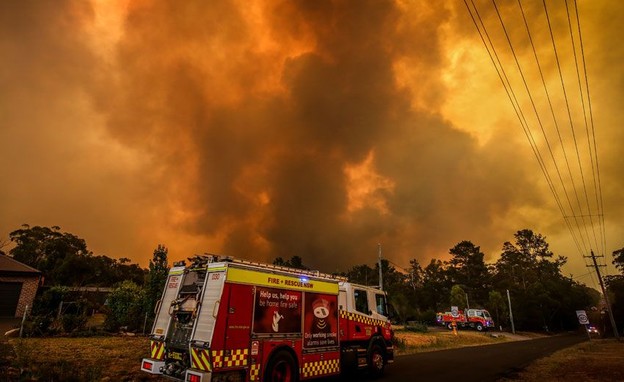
[277,128]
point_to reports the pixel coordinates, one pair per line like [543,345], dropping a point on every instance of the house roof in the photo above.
[14,267]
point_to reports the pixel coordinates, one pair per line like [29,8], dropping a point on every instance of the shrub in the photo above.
[38,326]
[125,307]
[73,322]
[414,326]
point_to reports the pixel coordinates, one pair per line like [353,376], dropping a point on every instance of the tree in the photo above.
[526,261]
[294,262]
[436,286]
[416,274]
[156,278]
[496,305]
[618,259]
[458,296]
[543,298]
[47,249]
[64,259]
[467,268]
[361,274]
[615,288]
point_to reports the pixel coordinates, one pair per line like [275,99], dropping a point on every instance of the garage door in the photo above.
[9,296]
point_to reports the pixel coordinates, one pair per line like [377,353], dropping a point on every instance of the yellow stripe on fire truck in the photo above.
[199,359]
[311,369]
[362,318]
[254,372]
[236,357]
[252,277]
[157,349]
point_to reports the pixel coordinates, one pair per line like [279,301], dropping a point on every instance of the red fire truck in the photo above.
[221,319]
[478,319]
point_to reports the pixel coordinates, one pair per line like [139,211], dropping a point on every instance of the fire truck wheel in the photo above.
[449,326]
[376,361]
[479,327]
[281,368]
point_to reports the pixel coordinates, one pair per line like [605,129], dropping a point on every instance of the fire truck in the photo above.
[479,319]
[222,319]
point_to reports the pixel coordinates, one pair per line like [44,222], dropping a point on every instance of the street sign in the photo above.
[582,317]
[454,311]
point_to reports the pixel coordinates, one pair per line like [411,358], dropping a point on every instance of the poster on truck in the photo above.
[321,321]
[277,311]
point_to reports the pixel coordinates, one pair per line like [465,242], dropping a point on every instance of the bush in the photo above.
[38,326]
[73,322]
[414,326]
[125,307]
[426,317]
[48,303]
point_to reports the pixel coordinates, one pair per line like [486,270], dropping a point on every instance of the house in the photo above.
[18,286]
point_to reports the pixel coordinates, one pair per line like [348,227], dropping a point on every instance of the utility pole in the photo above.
[380,276]
[513,328]
[606,296]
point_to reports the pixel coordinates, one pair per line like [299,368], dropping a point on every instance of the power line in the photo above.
[591,118]
[565,96]
[577,221]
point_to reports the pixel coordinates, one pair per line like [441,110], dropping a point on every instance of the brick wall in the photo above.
[30,285]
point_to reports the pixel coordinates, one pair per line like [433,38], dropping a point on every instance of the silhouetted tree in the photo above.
[467,268]
[294,262]
[156,278]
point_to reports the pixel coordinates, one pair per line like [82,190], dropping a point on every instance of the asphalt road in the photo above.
[476,364]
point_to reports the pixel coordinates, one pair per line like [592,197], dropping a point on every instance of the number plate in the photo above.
[176,355]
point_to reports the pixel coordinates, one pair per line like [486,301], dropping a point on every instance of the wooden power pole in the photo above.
[606,296]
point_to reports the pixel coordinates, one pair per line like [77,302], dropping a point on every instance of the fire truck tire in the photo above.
[449,326]
[281,368]
[376,360]
[479,327]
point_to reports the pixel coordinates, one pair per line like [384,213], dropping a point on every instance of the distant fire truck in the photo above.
[221,319]
[478,319]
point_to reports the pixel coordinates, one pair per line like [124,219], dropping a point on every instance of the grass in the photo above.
[595,361]
[81,359]
[409,342]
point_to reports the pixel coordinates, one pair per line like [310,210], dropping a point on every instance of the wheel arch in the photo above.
[281,349]
[378,340]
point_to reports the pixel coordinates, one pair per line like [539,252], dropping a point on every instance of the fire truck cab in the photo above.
[221,319]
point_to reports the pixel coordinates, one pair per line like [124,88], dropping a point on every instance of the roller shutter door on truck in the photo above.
[9,297]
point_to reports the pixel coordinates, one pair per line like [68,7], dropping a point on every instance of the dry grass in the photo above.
[82,359]
[595,361]
[410,342]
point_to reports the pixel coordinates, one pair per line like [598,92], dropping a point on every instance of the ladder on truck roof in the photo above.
[203,260]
